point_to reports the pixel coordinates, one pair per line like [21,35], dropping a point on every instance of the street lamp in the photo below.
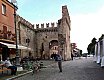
[17,54]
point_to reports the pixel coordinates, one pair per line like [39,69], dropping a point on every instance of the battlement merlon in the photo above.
[46,25]
[42,25]
[25,22]
[52,24]
[50,29]
[37,26]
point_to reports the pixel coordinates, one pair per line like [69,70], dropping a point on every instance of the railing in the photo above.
[8,35]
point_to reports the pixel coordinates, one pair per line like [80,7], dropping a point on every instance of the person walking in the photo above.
[59,60]
[71,55]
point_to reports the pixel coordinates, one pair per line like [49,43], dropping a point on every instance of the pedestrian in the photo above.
[72,56]
[8,64]
[59,60]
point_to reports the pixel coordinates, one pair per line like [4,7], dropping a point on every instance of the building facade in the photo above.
[99,51]
[7,29]
[25,36]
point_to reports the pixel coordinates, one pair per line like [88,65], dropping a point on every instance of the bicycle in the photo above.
[37,66]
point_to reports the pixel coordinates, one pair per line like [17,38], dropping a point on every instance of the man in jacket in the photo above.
[59,60]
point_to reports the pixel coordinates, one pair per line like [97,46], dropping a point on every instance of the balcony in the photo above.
[7,36]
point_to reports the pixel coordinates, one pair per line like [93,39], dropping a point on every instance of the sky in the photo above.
[87,17]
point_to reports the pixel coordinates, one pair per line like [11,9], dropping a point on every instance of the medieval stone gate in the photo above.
[46,39]
[54,37]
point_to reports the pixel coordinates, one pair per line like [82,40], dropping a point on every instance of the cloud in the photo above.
[86,26]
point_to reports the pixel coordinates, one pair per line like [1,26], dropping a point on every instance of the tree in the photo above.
[91,46]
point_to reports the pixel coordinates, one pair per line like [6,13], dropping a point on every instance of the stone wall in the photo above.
[26,36]
[45,36]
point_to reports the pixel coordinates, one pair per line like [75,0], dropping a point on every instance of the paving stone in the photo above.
[78,69]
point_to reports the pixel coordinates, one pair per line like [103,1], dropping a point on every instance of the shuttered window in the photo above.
[3,9]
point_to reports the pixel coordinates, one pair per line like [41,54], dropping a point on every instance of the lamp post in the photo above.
[17,54]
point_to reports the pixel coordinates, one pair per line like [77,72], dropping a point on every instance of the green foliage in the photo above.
[91,46]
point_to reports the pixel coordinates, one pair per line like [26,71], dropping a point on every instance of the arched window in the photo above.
[5,32]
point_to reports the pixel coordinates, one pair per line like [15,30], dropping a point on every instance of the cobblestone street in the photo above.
[78,69]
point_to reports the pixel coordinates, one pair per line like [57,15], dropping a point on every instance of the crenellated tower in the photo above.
[64,34]
[54,37]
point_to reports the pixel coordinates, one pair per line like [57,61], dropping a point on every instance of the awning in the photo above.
[14,46]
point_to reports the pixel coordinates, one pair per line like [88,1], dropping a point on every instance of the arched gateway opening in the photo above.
[49,48]
[53,47]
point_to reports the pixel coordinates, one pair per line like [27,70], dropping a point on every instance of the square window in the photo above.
[3,9]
